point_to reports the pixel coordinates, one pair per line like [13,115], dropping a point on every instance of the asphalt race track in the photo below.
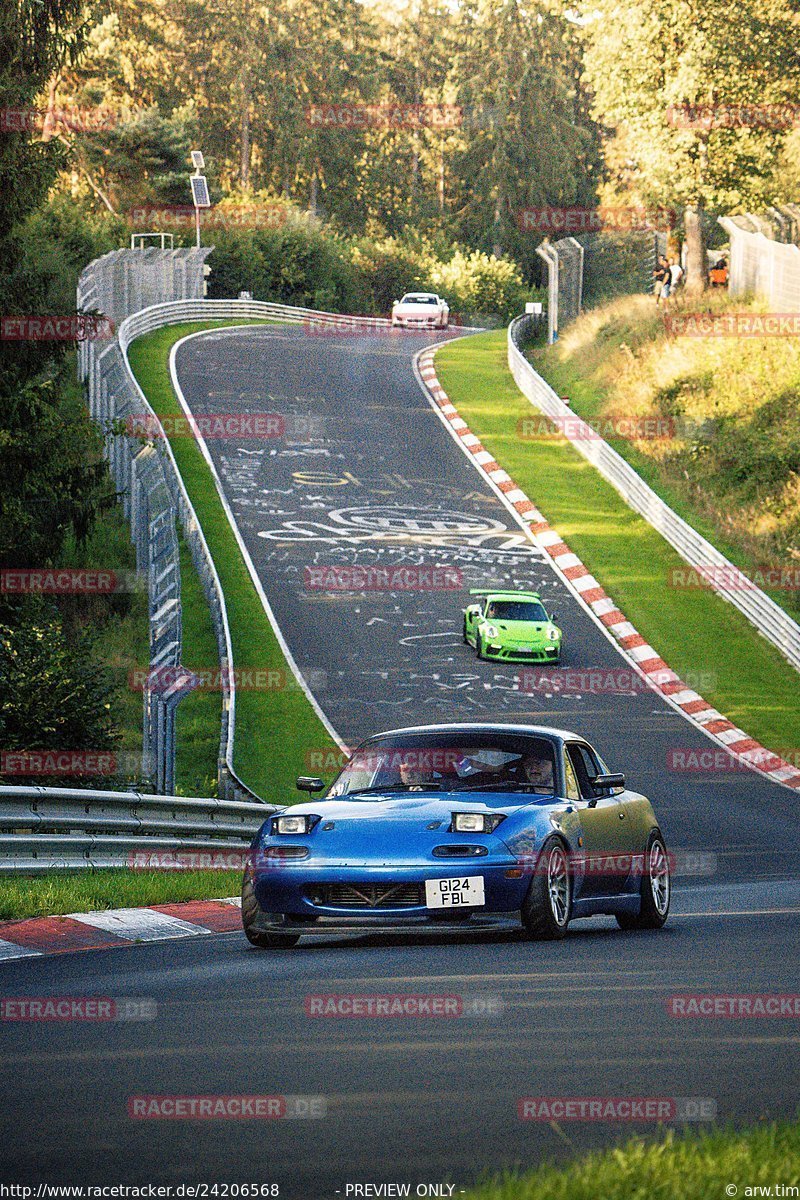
[412,1100]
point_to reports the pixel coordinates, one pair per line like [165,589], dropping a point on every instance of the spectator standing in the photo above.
[661,278]
[676,277]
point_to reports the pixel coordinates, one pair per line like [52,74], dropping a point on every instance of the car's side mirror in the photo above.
[473,610]
[309,783]
[614,779]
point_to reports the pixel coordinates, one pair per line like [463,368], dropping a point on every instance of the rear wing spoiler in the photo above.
[501,592]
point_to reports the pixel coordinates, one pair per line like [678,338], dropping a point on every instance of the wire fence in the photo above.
[763,266]
[594,267]
[147,480]
[149,483]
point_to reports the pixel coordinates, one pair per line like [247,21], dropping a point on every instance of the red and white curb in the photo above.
[645,660]
[115,927]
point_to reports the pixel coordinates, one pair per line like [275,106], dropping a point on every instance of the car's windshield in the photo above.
[419,300]
[450,762]
[515,610]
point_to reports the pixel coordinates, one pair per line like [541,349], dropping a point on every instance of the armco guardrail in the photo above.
[45,829]
[767,616]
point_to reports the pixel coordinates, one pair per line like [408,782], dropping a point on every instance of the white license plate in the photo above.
[525,649]
[454,893]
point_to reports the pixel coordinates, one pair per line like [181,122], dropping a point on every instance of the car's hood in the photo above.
[402,830]
[414,809]
[520,629]
[418,310]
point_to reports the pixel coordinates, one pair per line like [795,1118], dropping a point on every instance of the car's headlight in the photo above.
[288,824]
[467,822]
[491,631]
[553,633]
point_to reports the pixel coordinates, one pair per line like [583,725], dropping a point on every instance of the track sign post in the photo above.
[200,196]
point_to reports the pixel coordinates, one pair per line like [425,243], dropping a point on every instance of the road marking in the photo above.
[12,950]
[139,924]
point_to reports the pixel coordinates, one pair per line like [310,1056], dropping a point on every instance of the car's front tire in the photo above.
[656,889]
[479,647]
[258,937]
[546,910]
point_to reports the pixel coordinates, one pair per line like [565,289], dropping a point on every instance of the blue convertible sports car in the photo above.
[459,826]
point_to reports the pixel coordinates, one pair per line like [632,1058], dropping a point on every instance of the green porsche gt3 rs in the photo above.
[511,627]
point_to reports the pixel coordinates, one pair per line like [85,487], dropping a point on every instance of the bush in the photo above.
[295,263]
[480,288]
[387,268]
[300,262]
[54,693]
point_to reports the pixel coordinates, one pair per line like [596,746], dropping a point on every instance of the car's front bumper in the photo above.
[510,652]
[420,322]
[386,924]
[285,892]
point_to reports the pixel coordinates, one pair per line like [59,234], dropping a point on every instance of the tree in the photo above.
[54,694]
[676,76]
[529,141]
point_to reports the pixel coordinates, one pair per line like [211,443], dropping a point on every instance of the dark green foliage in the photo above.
[54,694]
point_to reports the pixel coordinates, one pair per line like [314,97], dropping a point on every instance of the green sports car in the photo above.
[511,627]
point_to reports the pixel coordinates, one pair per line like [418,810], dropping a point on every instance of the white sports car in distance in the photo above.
[420,310]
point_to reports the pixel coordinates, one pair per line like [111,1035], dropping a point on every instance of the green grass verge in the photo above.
[275,727]
[694,630]
[691,1166]
[90,891]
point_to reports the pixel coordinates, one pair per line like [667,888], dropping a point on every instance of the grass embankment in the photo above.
[91,891]
[730,463]
[275,724]
[693,629]
[691,1166]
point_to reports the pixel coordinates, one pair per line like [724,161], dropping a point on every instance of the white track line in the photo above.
[139,924]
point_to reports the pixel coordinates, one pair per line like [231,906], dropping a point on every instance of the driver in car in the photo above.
[415,777]
[539,771]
